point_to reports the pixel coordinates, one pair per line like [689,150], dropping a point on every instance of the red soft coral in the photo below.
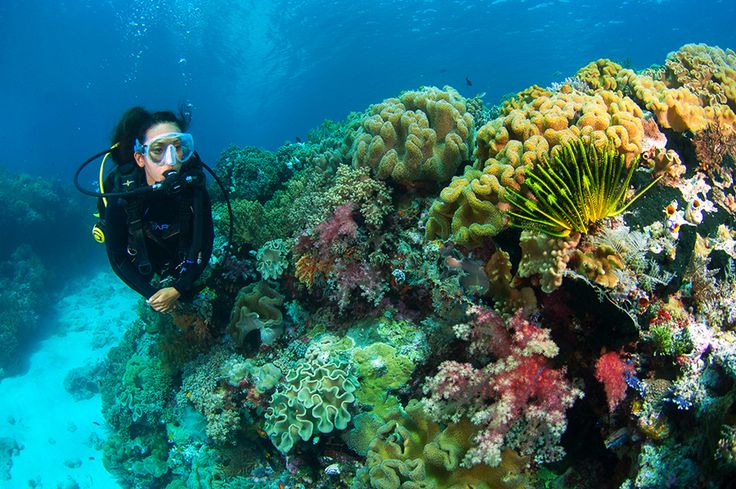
[611,371]
[341,225]
[518,401]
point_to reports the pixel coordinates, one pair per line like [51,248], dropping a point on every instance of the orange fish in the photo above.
[453,262]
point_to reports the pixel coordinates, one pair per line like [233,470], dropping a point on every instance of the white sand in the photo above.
[60,436]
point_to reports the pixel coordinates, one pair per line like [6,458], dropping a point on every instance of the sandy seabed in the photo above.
[58,438]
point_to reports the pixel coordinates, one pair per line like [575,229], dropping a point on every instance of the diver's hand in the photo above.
[164,300]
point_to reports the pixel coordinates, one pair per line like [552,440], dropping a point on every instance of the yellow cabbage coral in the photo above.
[709,72]
[600,74]
[422,136]
[509,146]
[696,88]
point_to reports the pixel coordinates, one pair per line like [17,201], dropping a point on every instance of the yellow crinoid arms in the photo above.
[574,188]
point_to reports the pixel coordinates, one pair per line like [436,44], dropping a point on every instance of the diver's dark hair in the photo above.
[134,124]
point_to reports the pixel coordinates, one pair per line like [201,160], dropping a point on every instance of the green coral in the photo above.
[380,369]
[670,341]
[301,204]
[145,388]
[314,398]
[257,308]
[271,259]
[250,173]
[370,196]
[411,451]
[464,211]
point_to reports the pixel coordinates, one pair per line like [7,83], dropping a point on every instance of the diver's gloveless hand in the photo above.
[164,300]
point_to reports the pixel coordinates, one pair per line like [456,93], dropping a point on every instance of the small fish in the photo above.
[557,74]
[96,423]
[281,485]
[616,438]
[468,82]
[453,262]
[91,458]
[298,139]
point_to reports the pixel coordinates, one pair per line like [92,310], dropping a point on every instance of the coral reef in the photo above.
[412,336]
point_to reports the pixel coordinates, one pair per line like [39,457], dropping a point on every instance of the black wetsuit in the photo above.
[169,225]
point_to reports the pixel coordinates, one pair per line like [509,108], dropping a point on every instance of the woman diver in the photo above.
[156,217]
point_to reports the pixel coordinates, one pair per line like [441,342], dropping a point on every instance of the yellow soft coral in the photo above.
[709,72]
[422,136]
[509,146]
[546,257]
[600,74]
[463,211]
[676,108]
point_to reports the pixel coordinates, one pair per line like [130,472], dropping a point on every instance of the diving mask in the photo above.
[170,149]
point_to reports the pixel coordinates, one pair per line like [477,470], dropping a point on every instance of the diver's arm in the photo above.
[198,256]
[116,243]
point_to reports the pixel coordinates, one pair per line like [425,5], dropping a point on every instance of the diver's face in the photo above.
[154,172]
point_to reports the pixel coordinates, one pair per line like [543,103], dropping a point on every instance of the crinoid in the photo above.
[573,189]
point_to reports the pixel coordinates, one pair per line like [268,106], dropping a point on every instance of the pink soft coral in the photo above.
[518,400]
[340,225]
[611,371]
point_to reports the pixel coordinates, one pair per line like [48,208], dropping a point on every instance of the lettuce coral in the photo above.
[315,397]
[257,308]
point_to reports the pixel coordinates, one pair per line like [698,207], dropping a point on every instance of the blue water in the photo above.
[264,72]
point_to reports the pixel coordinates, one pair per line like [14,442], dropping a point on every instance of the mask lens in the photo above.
[170,148]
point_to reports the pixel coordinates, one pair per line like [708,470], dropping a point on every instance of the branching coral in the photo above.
[370,196]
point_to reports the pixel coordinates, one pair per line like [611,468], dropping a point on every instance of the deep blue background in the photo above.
[262,72]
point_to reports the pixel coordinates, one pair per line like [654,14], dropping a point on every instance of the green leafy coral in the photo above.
[314,398]
[411,451]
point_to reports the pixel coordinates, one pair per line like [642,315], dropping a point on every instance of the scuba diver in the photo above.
[155,212]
